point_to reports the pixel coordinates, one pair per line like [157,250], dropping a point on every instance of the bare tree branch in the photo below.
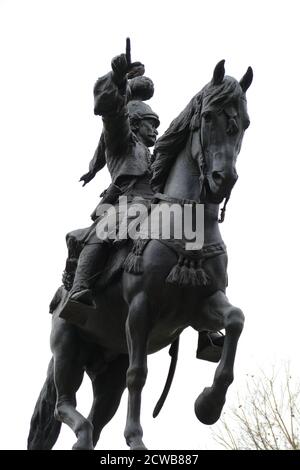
[266,417]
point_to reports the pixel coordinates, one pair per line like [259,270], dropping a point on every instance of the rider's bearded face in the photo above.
[147,132]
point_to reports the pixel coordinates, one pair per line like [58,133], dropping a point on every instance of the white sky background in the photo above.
[51,54]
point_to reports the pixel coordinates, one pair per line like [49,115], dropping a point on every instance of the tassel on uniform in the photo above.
[69,273]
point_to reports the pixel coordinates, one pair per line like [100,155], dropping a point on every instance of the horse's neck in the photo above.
[183,183]
[183,180]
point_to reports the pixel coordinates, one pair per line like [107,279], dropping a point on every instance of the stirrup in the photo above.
[210,346]
[76,311]
[84,297]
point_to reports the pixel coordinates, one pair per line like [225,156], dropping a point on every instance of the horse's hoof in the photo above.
[140,447]
[137,445]
[82,446]
[209,405]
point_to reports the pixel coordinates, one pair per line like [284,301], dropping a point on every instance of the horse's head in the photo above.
[210,130]
[222,120]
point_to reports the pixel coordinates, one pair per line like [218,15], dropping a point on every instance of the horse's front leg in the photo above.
[209,404]
[137,332]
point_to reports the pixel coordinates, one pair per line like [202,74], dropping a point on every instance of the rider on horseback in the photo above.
[129,128]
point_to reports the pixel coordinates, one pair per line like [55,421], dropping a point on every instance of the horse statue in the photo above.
[161,289]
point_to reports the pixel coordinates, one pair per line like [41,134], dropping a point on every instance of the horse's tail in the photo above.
[44,428]
[174,355]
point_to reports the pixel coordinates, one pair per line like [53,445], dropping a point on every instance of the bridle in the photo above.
[202,165]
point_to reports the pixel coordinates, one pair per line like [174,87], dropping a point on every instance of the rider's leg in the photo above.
[74,242]
[91,261]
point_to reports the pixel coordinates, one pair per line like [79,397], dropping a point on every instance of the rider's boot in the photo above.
[90,263]
[210,345]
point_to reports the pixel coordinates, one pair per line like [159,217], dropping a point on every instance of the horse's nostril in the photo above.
[217,177]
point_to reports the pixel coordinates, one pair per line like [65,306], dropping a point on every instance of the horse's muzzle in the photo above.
[221,184]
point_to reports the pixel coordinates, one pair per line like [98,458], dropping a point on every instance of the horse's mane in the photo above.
[174,139]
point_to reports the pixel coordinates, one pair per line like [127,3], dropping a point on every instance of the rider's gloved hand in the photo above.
[122,70]
[87,177]
[119,67]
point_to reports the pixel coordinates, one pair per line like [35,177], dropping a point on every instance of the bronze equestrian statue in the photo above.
[123,301]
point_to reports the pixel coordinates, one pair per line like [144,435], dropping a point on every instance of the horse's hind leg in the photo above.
[68,375]
[209,404]
[108,388]
[137,332]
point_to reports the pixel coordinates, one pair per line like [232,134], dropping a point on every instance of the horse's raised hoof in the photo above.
[209,405]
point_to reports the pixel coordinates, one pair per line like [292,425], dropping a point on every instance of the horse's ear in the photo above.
[219,73]
[246,81]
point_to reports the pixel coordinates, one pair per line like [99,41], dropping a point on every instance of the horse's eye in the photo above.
[207,116]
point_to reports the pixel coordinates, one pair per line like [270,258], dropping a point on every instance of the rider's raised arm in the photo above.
[110,95]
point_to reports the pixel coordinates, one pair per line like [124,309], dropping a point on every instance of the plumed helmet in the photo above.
[139,110]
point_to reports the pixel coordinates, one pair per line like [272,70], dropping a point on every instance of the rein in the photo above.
[182,202]
[203,176]
[223,210]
